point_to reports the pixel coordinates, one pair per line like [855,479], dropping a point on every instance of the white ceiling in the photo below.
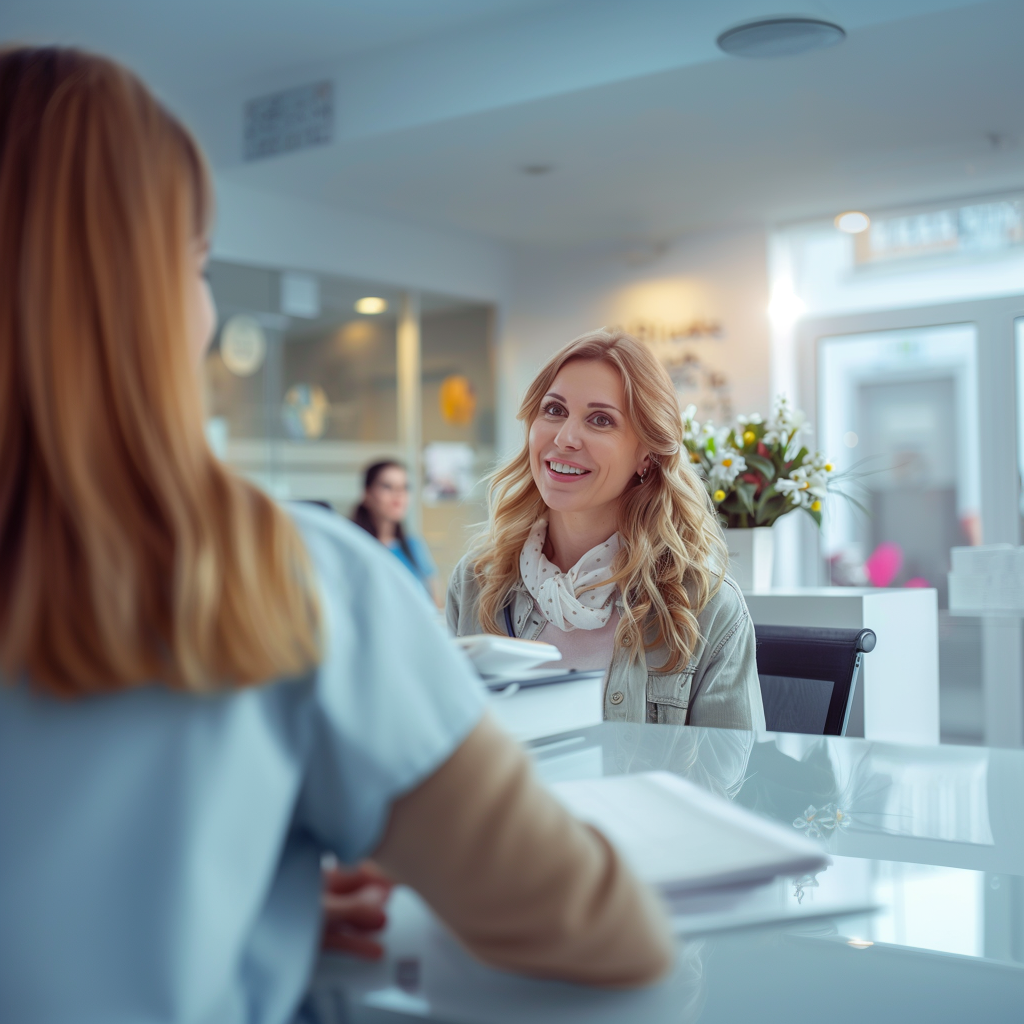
[901,113]
[184,45]
[651,131]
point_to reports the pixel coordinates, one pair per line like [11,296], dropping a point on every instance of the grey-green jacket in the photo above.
[718,687]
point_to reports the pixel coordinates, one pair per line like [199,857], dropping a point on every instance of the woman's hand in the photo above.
[353,902]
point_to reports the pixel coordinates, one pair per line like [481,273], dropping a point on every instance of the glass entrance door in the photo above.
[898,415]
[920,407]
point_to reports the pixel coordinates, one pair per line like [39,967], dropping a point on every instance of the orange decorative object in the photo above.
[458,400]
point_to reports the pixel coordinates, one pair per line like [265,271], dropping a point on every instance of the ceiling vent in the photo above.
[779,37]
[289,120]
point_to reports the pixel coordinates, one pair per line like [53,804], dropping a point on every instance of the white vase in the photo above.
[750,557]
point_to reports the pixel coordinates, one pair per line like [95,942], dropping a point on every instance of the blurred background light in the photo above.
[371,305]
[853,222]
[785,307]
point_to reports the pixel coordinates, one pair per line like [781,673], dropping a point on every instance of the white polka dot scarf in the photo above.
[555,592]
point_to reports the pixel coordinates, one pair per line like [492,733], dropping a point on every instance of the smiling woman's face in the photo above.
[583,449]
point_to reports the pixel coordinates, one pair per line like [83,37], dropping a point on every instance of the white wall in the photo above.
[558,295]
[272,230]
[815,264]
[823,273]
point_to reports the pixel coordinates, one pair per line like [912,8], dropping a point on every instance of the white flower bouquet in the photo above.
[758,471]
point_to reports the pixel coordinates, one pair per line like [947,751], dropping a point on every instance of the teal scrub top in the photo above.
[422,565]
[160,851]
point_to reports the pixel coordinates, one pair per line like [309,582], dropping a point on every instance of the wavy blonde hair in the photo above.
[673,555]
[128,553]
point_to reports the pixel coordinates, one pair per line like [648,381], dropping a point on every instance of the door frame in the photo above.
[1000,512]
[997,385]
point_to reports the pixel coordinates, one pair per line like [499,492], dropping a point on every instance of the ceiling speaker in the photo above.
[779,37]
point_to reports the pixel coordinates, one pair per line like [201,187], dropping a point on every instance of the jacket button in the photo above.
[618,697]
[627,641]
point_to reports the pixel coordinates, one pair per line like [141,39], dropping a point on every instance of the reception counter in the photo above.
[932,837]
[897,699]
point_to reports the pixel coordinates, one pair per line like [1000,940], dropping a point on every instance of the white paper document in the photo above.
[681,839]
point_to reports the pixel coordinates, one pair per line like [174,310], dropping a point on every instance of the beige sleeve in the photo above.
[522,883]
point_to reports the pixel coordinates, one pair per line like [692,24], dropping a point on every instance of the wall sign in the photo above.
[667,332]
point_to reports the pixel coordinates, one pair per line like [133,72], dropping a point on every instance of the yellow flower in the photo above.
[726,462]
[749,437]
[828,467]
[815,506]
[719,495]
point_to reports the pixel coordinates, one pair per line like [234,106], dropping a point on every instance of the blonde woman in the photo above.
[602,542]
[201,692]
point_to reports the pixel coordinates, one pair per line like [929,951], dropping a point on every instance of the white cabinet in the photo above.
[898,699]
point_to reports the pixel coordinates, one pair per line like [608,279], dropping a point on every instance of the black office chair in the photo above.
[808,676]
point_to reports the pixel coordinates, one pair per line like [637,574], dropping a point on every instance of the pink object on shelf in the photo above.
[884,564]
[917,581]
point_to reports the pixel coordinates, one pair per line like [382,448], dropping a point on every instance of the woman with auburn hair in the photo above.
[201,692]
[602,542]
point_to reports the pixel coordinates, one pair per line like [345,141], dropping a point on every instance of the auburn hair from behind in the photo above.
[128,552]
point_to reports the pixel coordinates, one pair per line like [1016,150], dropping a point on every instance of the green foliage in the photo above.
[757,472]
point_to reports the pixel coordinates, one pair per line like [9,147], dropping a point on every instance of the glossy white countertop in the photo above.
[934,836]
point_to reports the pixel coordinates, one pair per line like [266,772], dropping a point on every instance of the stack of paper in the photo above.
[496,657]
[715,864]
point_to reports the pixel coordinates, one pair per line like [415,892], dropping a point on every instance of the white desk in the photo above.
[936,838]
[898,699]
[537,711]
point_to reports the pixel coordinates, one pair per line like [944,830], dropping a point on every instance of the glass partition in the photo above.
[1018,333]
[458,403]
[302,393]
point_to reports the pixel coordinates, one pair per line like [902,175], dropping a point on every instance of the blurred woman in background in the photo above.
[202,693]
[381,514]
[602,542]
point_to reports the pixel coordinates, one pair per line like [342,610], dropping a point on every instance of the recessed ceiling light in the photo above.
[853,222]
[538,168]
[779,37]
[371,304]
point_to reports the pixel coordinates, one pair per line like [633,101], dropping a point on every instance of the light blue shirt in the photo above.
[160,852]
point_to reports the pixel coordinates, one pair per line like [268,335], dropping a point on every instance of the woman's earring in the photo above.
[644,474]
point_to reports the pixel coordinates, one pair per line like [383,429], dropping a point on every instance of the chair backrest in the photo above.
[808,676]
